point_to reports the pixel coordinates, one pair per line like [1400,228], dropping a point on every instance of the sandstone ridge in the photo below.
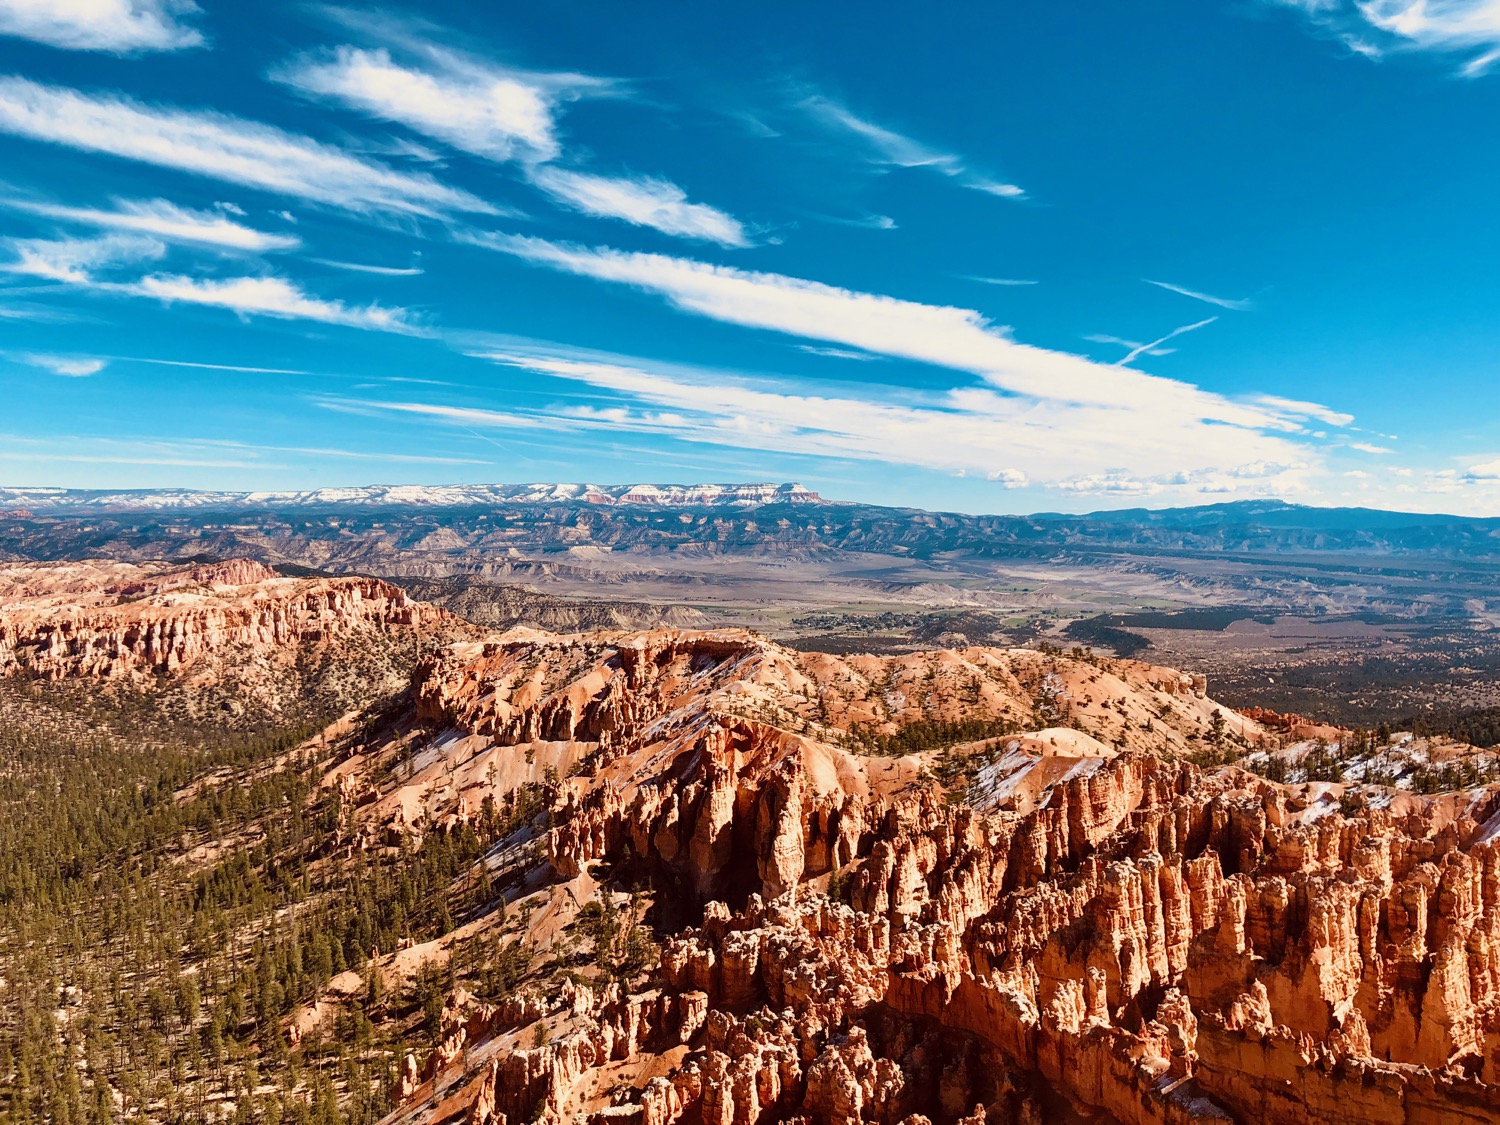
[235,623]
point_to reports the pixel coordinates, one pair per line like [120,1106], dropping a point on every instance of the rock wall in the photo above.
[151,624]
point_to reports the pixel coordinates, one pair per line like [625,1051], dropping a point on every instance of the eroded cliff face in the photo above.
[236,625]
[1077,925]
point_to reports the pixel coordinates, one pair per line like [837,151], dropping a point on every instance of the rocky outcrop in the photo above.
[133,624]
[1076,924]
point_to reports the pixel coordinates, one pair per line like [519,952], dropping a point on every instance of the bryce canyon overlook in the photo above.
[600,564]
[732,882]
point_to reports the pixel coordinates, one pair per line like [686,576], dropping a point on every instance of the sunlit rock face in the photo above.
[236,630]
[1077,925]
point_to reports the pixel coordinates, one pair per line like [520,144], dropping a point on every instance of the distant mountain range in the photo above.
[1276,514]
[44,522]
[408,495]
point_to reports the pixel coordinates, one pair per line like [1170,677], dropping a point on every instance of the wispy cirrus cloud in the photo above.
[1048,409]
[269,296]
[222,147]
[1155,346]
[1234,305]
[95,264]
[162,219]
[117,26]
[461,415]
[72,366]
[969,431]
[505,115]
[642,201]
[836,353]
[75,260]
[482,110]
[944,336]
[1128,345]
[864,222]
[1303,409]
[1377,27]
[1003,281]
[214,366]
[887,147]
[362,267]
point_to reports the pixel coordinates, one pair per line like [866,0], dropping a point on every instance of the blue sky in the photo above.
[989,258]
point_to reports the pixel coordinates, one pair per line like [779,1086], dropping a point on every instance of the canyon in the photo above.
[1360,616]
[718,879]
[1079,925]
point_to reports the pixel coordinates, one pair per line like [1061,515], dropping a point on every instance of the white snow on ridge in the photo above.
[430,496]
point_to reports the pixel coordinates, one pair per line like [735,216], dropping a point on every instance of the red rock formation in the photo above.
[128,623]
[1082,925]
[1290,723]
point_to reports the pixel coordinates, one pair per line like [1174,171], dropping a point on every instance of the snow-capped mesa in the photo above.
[423,496]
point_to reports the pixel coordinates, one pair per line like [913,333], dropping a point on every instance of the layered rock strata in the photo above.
[1080,926]
[120,622]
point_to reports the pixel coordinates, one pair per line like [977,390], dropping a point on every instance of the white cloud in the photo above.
[1109,484]
[1374,27]
[1000,280]
[269,296]
[482,110]
[461,415]
[117,26]
[78,262]
[222,147]
[72,366]
[993,187]
[643,201]
[1367,447]
[215,366]
[1128,345]
[165,220]
[1303,409]
[1265,478]
[1155,346]
[503,115]
[74,260]
[360,267]
[36,313]
[1490,470]
[955,338]
[1051,416]
[866,222]
[1008,478]
[959,430]
[1222,302]
[888,147]
[836,353]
